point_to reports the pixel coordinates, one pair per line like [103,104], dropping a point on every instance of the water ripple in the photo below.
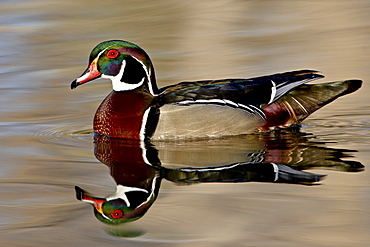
[69,135]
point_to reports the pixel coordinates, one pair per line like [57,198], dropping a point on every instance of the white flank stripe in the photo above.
[209,101]
[229,102]
[246,107]
[209,169]
[259,111]
[253,109]
[250,108]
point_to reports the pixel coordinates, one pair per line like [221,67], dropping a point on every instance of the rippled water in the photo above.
[47,147]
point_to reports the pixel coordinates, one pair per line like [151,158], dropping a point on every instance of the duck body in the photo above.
[137,109]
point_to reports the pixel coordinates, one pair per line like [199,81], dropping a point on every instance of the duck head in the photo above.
[126,205]
[124,63]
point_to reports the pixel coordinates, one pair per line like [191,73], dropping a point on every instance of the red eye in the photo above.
[112,54]
[116,214]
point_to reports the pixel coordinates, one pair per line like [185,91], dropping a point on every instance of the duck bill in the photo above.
[85,197]
[90,74]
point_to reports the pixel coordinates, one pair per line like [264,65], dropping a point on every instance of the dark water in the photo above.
[47,147]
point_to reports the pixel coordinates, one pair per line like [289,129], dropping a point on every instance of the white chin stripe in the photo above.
[122,86]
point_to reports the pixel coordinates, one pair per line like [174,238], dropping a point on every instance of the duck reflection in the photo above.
[276,157]
[136,172]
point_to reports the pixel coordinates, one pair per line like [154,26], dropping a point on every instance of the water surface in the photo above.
[47,147]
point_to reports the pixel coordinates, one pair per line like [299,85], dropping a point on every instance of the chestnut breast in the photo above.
[121,114]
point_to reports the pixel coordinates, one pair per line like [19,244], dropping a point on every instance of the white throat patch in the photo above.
[122,86]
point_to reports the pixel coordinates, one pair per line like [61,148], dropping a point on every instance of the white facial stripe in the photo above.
[103,51]
[151,193]
[147,75]
[118,85]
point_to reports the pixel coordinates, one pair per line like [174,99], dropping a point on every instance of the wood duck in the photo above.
[137,109]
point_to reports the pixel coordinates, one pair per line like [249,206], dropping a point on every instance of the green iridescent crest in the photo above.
[125,48]
[113,44]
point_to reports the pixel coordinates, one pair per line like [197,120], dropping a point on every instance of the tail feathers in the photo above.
[308,98]
[295,106]
[289,175]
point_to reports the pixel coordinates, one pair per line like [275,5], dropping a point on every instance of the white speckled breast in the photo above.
[195,121]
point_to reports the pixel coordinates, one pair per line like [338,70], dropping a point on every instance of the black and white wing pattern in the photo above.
[204,109]
[252,91]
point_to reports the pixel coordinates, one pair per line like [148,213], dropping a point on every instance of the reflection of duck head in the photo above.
[127,204]
[137,181]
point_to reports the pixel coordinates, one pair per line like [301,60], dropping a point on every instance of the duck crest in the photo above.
[124,114]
